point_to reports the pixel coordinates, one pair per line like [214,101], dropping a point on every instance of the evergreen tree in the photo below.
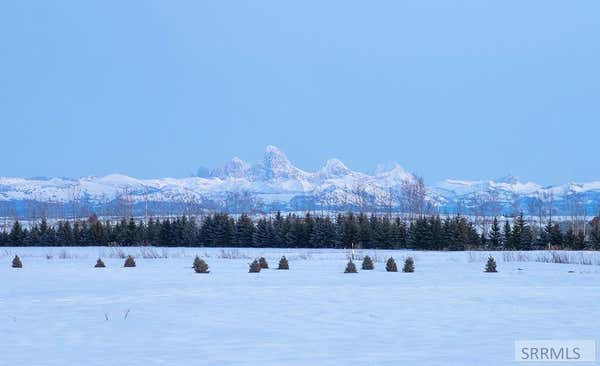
[569,238]
[111,236]
[556,237]
[64,234]
[283,263]
[448,233]
[32,237]
[47,235]
[507,236]
[367,263]
[323,233]
[225,228]
[438,233]
[307,229]
[385,234]
[347,230]
[129,262]
[377,234]
[495,235]
[521,237]
[390,265]
[279,230]
[244,231]
[84,235]
[526,238]
[295,234]
[98,236]
[515,239]
[200,265]
[409,265]
[351,268]
[490,266]
[4,238]
[327,233]
[316,235]
[99,264]
[462,233]
[189,231]
[166,235]
[579,241]
[262,233]
[129,232]
[263,263]
[17,235]
[364,231]
[398,235]
[153,232]
[16,262]
[196,262]
[254,267]
[420,234]
[595,234]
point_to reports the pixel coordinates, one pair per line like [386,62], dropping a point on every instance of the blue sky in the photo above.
[463,89]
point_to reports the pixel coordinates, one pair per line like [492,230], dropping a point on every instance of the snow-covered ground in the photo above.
[54,311]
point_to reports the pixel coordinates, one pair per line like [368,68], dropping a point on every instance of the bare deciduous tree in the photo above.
[413,193]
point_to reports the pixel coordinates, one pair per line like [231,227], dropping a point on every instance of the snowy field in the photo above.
[59,310]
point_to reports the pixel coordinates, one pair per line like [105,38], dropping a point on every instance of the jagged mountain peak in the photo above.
[274,158]
[275,164]
[272,149]
[334,168]
[393,170]
[235,168]
[508,179]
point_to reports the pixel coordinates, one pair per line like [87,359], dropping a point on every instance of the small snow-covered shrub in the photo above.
[490,266]
[350,267]
[390,265]
[263,263]
[200,266]
[16,262]
[99,264]
[254,267]
[367,263]
[409,265]
[283,263]
[129,262]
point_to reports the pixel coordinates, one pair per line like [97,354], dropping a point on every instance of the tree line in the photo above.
[307,231]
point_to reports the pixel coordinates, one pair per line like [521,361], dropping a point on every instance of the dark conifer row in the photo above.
[292,231]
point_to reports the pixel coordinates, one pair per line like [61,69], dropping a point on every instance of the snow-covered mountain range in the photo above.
[276,184]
